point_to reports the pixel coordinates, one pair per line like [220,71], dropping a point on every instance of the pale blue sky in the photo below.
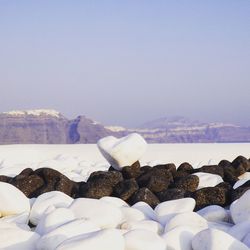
[126,62]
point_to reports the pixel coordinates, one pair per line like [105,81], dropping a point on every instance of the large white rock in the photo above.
[143,240]
[44,201]
[130,214]
[77,227]
[220,225]
[146,209]
[100,240]
[208,180]
[240,183]
[214,213]
[190,219]
[102,213]
[180,238]
[214,239]
[17,239]
[240,230]
[22,218]
[240,209]
[246,240]
[124,151]
[54,219]
[168,209]
[12,200]
[143,224]
[114,201]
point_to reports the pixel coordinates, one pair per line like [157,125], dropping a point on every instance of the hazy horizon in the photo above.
[126,63]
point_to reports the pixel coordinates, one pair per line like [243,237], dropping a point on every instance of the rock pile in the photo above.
[209,185]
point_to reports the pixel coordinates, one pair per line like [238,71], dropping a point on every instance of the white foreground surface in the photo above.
[109,223]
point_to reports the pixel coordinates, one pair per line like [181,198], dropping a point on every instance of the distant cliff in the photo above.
[51,127]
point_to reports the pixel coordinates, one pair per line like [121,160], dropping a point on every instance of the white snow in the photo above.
[34,112]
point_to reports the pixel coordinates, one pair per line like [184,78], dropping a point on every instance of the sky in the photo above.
[127,62]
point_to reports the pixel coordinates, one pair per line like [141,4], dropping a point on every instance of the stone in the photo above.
[12,200]
[131,214]
[124,151]
[132,171]
[100,240]
[189,183]
[16,238]
[53,239]
[140,239]
[168,209]
[240,230]
[43,202]
[171,194]
[240,209]
[4,178]
[214,239]
[190,219]
[145,209]
[186,167]
[155,180]
[241,161]
[101,213]
[149,225]
[53,220]
[212,169]
[180,238]
[144,194]
[29,184]
[209,196]
[125,189]
[214,213]
[208,180]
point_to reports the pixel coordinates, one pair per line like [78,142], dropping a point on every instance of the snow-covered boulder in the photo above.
[124,151]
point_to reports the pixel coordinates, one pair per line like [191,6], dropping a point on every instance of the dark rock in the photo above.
[230,175]
[144,194]
[112,169]
[171,194]
[125,189]
[241,161]
[238,192]
[29,184]
[209,196]
[4,178]
[224,163]
[145,169]
[100,184]
[180,174]
[169,167]
[188,183]
[111,178]
[54,180]
[211,169]
[228,191]
[185,166]
[95,190]
[156,180]
[27,172]
[132,171]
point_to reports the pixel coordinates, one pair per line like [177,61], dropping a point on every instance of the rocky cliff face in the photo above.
[50,127]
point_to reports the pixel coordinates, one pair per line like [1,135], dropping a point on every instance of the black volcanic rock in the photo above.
[241,162]
[188,183]
[211,169]
[144,194]
[125,189]
[171,194]
[185,166]
[156,180]
[210,196]
[29,184]
[132,171]
[4,178]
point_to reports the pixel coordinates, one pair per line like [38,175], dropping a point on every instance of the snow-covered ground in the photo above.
[110,223]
